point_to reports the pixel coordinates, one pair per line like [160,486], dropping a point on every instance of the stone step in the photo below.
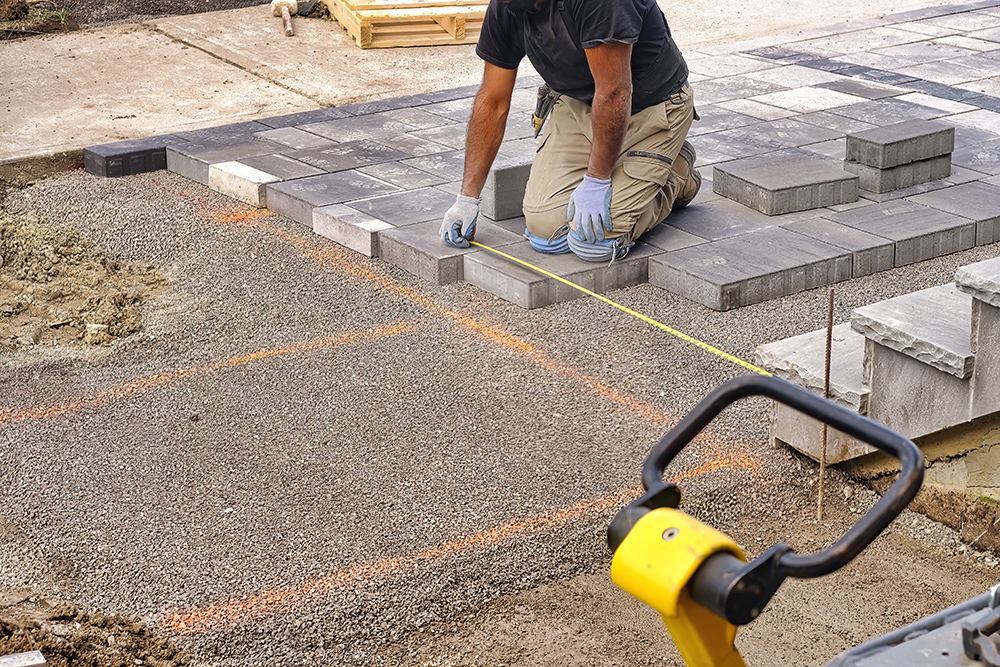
[932,326]
[899,144]
[801,360]
[982,282]
[918,360]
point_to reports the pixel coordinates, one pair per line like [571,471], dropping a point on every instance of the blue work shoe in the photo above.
[607,250]
[557,245]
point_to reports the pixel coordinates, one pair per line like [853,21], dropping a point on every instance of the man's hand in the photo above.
[461,216]
[590,209]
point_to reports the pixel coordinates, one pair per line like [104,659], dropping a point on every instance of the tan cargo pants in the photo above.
[643,185]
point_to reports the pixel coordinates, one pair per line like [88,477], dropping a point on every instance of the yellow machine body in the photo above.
[654,564]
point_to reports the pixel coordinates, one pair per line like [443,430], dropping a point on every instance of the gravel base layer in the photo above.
[381,423]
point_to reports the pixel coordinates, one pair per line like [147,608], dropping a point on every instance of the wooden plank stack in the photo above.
[386,23]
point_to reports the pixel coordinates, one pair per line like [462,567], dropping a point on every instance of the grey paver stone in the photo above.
[832,149]
[900,143]
[715,119]
[241,182]
[932,326]
[887,111]
[775,186]
[457,110]
[350,228]
[232,131]
[348,155]
[669,238]
[503,193]
[406,208]
[415,146]
[983,158]
[305,117]
[125,158]
[866,89]
[919,232]
[979,202]
[748,269]
[193,158]
[452,136]
[297,199]
[295,138]
[902,176]
[449,165]
[401,175]
[832,121]
[357,128]
[871,253]
[389,104]
[530,289]
[720,219]
[417,118]
[787,132]
[419,249]
[281,167]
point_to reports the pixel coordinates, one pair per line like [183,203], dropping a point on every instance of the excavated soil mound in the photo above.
[12,10]
[67,637]
[59,289]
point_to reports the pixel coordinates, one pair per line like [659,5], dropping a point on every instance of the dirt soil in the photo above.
[68,636]
[19,19]
[58,290]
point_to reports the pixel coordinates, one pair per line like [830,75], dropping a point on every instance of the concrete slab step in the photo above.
[801,360]
[981,281]
[932,326]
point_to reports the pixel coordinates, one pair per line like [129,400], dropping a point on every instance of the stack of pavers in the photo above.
[901,155]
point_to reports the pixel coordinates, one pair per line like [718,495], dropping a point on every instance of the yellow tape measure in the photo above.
[649,320]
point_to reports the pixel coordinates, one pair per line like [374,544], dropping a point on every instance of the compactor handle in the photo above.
[738,591]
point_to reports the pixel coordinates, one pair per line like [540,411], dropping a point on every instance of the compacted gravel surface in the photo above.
[308,454]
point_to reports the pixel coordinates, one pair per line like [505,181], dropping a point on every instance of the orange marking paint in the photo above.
[237,610]
[8,415]
[339,261]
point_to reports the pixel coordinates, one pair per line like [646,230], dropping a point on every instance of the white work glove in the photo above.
[590,209]
[461,216]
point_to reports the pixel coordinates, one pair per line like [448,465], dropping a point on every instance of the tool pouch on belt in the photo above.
[543,105]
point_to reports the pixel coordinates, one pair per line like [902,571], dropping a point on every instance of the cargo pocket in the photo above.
[637,196]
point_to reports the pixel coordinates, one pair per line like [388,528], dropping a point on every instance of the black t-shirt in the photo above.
[658,69]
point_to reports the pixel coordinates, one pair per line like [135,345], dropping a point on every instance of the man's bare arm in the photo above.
[486,127]
[610,65]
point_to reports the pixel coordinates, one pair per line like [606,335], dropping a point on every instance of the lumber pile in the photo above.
[385,23]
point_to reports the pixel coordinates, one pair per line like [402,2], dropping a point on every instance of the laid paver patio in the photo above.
[375,176]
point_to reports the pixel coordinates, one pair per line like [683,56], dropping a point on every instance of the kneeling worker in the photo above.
[612,160]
